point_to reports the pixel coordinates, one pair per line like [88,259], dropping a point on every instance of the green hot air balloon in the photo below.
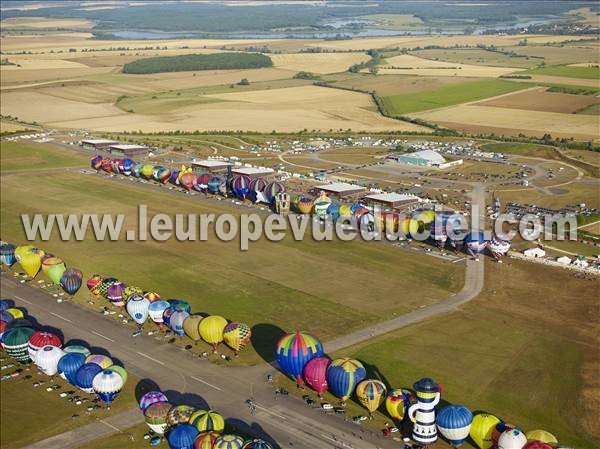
[16,343]
[55,272]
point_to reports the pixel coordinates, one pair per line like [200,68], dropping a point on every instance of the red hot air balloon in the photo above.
[315,374]
[187,181]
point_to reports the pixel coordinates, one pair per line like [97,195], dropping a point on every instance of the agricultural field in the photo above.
[44,23]
[18,156]
[522,149]
[589,157]
[569,71]
[593,109]
[517,360]
[551,55]
[575,193]
[318,62]
[395,21]
[476,56]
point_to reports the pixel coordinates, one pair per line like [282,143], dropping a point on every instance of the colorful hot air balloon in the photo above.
[206,440]
[182,437]
[213,184]
[150,398]
[512,439]
[179,414]
[16,343]
[40,339]
[241,186]
[31,263]
[70,282]
[333,210]
[136,170]
[84,377]
[96,162]
[47,359]
[49,260]
[272,190]
[163,175]
[138,308]
[481,429]
[187,181]
[127,166]
[3,330]
[345,211]
[156,310]
[371,394]
[131,290]
[454,423]
[55,273]
[115,294]
[499,246]
[229,441]
[201,182]
[542,436]
[107,385]
[499,429]
[174,178]
[207,421]
[102,288]
[156,415]
[17,314]
[257,444]
[176,322]
[191,327]
[151,296]
[397,403]
[315,374]
[68,365]
[77,349]
[120,371]
[305,205]
[7,254]
[343,375]
[320,207]
[257,185]
[94,281]
[475,242]
[211,330]
[294,351]
[237,336]
[102,361]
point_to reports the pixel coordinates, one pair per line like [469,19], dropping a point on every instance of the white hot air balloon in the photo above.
[107,385]
[156,310]
[47,359]
[137,307]
[176,322]
[512,439]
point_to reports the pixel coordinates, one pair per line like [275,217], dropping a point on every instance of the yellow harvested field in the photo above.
[26,76]
[11,127]
[537,122]
[562,80]
[39,63]
[318,62]
[584,64]
[413,65]
[40,23]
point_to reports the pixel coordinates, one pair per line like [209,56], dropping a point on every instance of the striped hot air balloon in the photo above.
[241,186]
[211,330]
[294,351]
[150,398]
[138,308]
[127,166]
[272,189]
[71,281]
[16,343]
[179,414]
[207,421]
[102,361]
[107,385]
[115,294]
[454,423]
[84,377]
[7,254]
[343,375]
[258,185]
[174,178]
[191,327]
[315,374]
[305,205]
[397,403]
[371,394]
[499,246]
[229,441]
[206,440]
[257,444]
[68,365]
[237,336]
[475,242]
[47,359]
[182,437]
[321,206]
[156,416]
[40,339]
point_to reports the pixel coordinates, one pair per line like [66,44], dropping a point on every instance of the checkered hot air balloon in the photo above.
[92,282]
[294,351]
[237,336]
[179,414]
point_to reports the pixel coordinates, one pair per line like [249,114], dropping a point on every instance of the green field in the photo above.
[477,56]
[448,96]
[27,156]
[31,414]
[567,71]
[522,149]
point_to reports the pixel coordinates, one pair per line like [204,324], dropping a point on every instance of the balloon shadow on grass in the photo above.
[264,337]
[249,431]
[145,386]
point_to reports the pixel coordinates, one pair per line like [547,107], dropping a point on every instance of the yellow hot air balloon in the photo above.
[237,336]
[23,249]
[147,171]
[191,327]
[404,227]
[16,313]
[371,394]
[211,330]
[426,216]
[414,226]
[345,211]
[207,421]
[481,429]
[31,263]
[541,435]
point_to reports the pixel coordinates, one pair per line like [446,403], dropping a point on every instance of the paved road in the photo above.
[287,421]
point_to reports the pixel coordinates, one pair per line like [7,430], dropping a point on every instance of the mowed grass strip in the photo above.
[448,96]
[590,72]
[28,156]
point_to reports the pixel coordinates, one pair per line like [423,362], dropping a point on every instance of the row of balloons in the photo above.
[242,186]
[175,314]
[301,356]
[92,373]
[188,428]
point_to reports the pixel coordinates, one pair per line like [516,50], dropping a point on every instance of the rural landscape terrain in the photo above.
[423,109]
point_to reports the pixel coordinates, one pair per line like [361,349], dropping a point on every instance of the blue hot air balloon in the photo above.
[343,375]
[136,170]
[7,253]
[174,178]
[475,242]
[182,436]
[241,186]
[176,322]
[294,351]
[6,304]
[157,309]
[69,364]
[127,166]
[84,377]
[213,184]
[70,281]
[333,210]
[137,307]
[454,423]
[107,385]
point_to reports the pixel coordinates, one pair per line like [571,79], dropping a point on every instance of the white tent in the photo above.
[534,252]
[564,260]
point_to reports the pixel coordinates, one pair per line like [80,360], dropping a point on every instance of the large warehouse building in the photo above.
[393,201]
[341,189]
[425,158]
[211,166]
[97,144]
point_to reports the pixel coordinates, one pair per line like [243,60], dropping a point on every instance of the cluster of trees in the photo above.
[302,75]
[371,64]
[182,63]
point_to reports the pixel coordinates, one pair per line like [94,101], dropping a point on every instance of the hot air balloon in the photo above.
[343,375]
[155,416]
[150,398]
[68,365]
[136,170]
[229,441]
[3,330]
[201,182]
[294,351]
[512,439]
[7,254]
[333,210]
[499,247]
[16,343]
[481,429]
[77,349]
[213,184]
[499,429]
[187,181]
[17,314]
[70,282]
[31,263]
[21,250]
[438,232]
[397,403]
[345,211]
[179,414]
[127,166]
[257,444]
[211,330]
[182,437]
[120,371]
[6,304]
[207,421]
[84,377]
[151,296]
[272,190]
[102,288]
[475,242]
[147,171]
[49,260]
[55,273]
[542,436]
[96,162]
[320,207]
[237,336]
[191,327]
[138,308]
[174,178]
[371,394]
[102,361]
[115,294]
[206,440]
[257,185]
[454,423]
[40,339]
[107,385]
[315,374]
[94,281]
[305,205]
[47,359]
[131,290]
[241,186]
[164,174]
[367,222]
[156,310]
[6,316]
[107,165]
[176,322]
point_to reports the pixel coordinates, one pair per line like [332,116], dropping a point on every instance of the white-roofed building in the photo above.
[129,150]
[341,189]
[211,166]
[97,144]
[393,200]
[253,172]
[424,158]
